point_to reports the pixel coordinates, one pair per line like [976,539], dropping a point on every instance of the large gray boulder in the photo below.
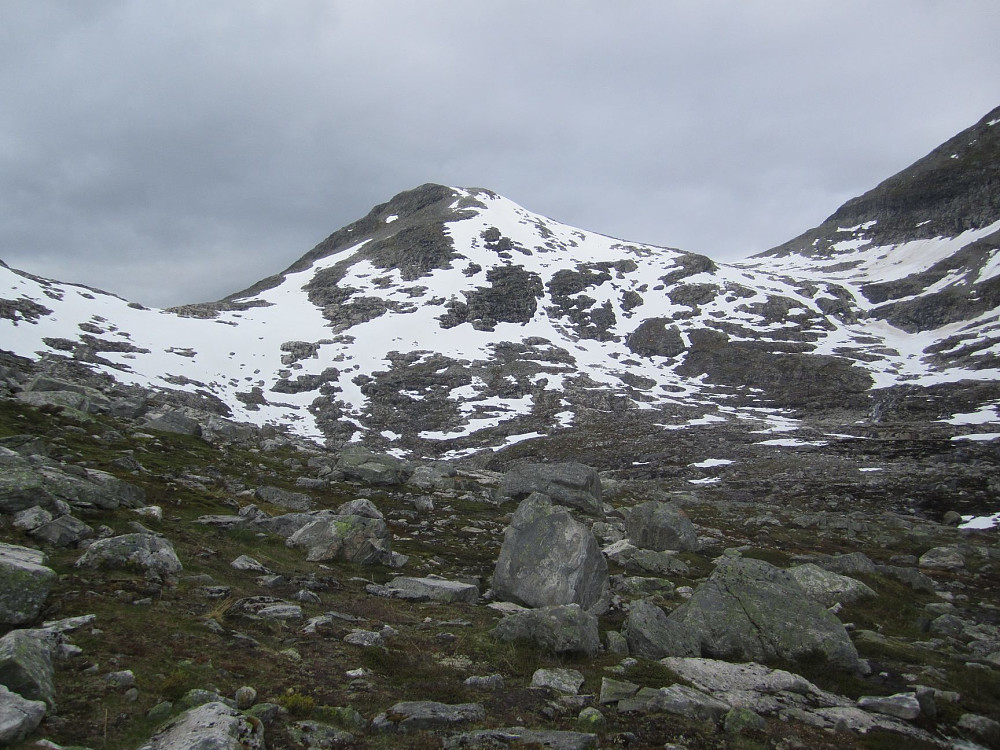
[212,726]
[415,716]
[177,421]
[64,531]
[357,539]
[18,716]
[570,484]
[749,610]
[436,589]
[25,583]
[360,464]
[660,526]
[652,635]
[565,629]
[297,501]
[550,558]
[145,553]
[829,588]
[24,485]
[26,664]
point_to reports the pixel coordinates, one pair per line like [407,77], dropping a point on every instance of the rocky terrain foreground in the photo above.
[173,579]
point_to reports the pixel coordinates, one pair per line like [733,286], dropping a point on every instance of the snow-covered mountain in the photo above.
[449,321]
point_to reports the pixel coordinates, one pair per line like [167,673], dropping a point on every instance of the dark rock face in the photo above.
[654,339]
[571,484]
[512,297]
[651,635]
[565,629]
[660,526]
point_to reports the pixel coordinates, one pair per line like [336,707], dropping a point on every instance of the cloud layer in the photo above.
[178,151]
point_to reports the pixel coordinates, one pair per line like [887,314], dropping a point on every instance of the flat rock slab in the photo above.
[25,583]
[146,552]
[437,589]
[18,716]
[212,726]
[566,681]
[412,716]
[519,736]
[572,484]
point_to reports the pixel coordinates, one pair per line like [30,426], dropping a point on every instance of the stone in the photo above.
[26,664]
[739,720]
[715,676]
[249,564]
[177,421]
[549,558]
[412,716]
[146,553]
[750,610]
[982,728]
[591,718]
[360,464]
[318,736]
[64,531]
[437,589]
[25,583]
[567,681]
[211,726]
[942,558]
[660,526]
[901,705]
[365,638]
[485,682]
[31,518]
[689,703]
[297,501]
[613,690]
[122,680]
[652,635]
[360,507]
[551,739]
[572,484]
[909,576]
[563,629]
[19,716]
[829,588]
[356,539]
[851,564]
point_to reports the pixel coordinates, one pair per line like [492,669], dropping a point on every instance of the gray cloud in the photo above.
[178,151]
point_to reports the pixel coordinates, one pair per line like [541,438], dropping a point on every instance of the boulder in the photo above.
[18,716]
[550,558]
[64,531]
[415,716]
[942,558]
[901,705]
[749,610]
[652,635]
[564,629]
[25,583]
[851,564]
[722,677]
[360,464]
[211,726]
[568,681]
[660,526]
[681,700]
[551,739]
[828,588]
[26,664]
[297,501]
[360,507]
[147,553]
[357,539]
[286,524]
[177,421]
[437,589]
[570,484]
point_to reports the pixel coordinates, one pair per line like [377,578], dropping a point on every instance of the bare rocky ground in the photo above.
[335,654]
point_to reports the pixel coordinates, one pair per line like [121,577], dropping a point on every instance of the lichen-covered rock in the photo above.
[357,539]
[25,583]
[26,664]
[360,464]
[437,589]
[749,610]
[64,531]
[828,588]
[660,526]
[570,484]
[550,558]
[18,716]
[147,553]
[564,629]
[415,716]
[566,681]
[942,558]
[297,501]
[652,635]
[212,726]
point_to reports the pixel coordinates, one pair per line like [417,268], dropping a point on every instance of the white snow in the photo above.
[710,462]
[792,442]
[979,437]
[980,522]
[986,414]
[709,480]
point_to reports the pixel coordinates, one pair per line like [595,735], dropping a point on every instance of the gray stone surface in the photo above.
[901,705]
[64,531]
[18,716]
[412,716]
[211,726]
[828,588]
[749,610]
[25,583]
[357,539]
[297,501]
[564,629]
[360,464]
[566,681]
[572,484]
[551,739]
[147,553]
[689,703]
[942,558]
[550,558]
[26,664]
[652,635]
[437,589]
[660,526]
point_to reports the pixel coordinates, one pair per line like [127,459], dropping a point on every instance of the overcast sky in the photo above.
[177,151]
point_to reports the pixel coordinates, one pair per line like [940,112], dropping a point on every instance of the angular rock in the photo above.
[413,716]
[828,588]
[287,524]
[566,681]
[25,583]
[571,484]
[660,526]
[31,518]
[177,421]
[360,507]
[910,576]
[942,558]
[212,726]
[249,564]
[901,705]
[19,716]
[549,558]
[652,635]
[297,501]
[485,682]
[613,691]
[982,728]
[714,676]
[749,610]
[314,734]
[851,564]
[437,589]
[689,703]
[564,629]
[552,739]
[146,553]
[365,541]
[26,664]
[360,464]
[64,531]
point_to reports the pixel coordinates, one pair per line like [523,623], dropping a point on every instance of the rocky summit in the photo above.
[466,477]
